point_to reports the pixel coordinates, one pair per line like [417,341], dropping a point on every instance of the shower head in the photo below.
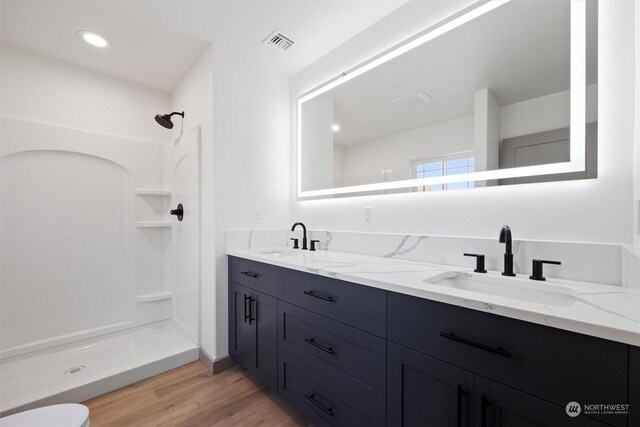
[164,120]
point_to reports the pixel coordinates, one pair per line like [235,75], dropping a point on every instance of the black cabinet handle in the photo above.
[460,392]
[483,411]
[251,316]
[496,350]
[317,295]
[247,316]
[328,411]
[320,346]
[250,274]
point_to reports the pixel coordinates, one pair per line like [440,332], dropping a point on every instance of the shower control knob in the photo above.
[179,212]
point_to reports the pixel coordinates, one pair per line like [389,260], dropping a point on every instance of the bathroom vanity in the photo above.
[378,350]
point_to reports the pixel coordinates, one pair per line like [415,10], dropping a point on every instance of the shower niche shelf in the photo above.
[153,192]
[155,296]
[153,224]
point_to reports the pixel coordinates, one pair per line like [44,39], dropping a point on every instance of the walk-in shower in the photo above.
[89,296]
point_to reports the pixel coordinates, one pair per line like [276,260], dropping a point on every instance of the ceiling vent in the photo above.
[279,40]
[413,100]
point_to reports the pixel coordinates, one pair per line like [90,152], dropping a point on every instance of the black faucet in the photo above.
[505,237]
[304,234]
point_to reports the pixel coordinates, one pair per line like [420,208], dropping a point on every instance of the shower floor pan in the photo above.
[79,371]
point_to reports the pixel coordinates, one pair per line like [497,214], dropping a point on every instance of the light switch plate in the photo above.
[257,216]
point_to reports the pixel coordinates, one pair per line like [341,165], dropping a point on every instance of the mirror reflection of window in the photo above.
[443,166]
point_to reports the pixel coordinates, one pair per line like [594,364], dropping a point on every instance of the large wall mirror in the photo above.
[501,93]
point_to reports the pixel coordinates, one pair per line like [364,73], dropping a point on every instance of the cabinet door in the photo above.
[499,405]
[241,333]
[634,385]
[423,391]
[264,319]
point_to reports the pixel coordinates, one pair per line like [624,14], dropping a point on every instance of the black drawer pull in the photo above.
[328,411]
[251,314]
[320,346]
[483,411]
[250,274]
[247,313]
[496,350]
[317,295]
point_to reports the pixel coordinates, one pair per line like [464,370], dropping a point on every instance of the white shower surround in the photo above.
[69,246]
[86,257]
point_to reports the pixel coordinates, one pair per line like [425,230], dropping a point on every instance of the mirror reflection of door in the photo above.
[548,147]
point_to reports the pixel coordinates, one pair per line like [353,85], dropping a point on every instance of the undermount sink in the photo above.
[509,287]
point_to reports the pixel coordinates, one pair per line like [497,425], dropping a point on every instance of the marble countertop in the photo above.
[605,311]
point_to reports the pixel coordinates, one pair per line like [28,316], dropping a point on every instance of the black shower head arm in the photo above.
[181,114]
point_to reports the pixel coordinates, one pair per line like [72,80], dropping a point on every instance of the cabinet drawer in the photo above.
[321,400]
[256,275]
[353,359]
[555,365]
[355,305]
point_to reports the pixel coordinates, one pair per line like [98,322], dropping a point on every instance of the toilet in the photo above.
[65,415]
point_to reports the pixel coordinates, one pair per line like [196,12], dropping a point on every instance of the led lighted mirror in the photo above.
[501,93]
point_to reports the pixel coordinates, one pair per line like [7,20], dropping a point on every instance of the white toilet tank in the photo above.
[65,415]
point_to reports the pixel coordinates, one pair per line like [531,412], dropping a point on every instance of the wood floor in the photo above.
[191,396]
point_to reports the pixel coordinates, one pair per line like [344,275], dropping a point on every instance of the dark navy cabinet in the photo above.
[422,390]
[634,386]
[549,363]
[359,306]
[353,359]
[345,354]
[323,401]
[331,349]
[241,333]
[497,405]
[253,319]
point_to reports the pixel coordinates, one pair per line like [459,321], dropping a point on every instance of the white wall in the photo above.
[243,109]
[547,112]
[361,163]
[338,165]
[317,154]
[486,131]
[251,157]
[586,210]
[49,91]
[364,161]
[194,96]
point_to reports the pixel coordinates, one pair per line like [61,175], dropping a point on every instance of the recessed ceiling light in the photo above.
[93,39]
[335,128]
